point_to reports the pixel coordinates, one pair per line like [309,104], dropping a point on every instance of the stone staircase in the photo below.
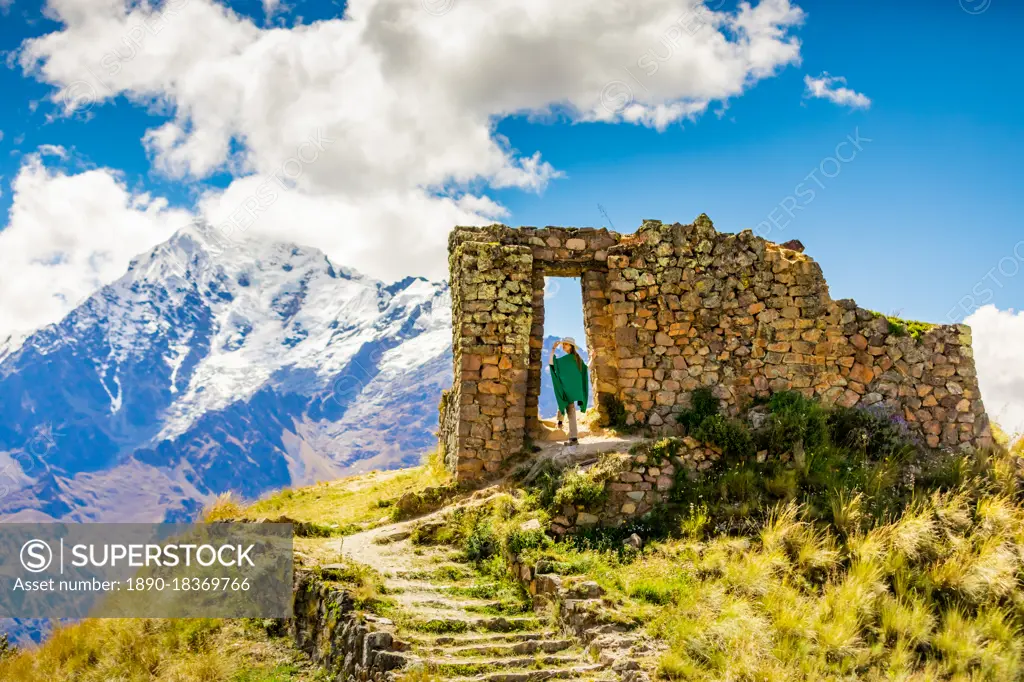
[451,622]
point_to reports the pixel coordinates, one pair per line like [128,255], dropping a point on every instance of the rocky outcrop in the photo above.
[329,629]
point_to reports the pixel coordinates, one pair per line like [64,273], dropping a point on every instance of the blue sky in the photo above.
[911,224]
[921,220]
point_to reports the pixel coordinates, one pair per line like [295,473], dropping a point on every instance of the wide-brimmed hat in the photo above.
[569,340]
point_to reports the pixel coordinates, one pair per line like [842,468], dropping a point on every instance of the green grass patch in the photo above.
[346,505]
[579,488]
[900,327]
[439,626]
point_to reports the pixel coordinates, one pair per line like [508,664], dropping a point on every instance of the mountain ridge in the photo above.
[217,365]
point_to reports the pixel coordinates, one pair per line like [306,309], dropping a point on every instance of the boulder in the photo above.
[531,525]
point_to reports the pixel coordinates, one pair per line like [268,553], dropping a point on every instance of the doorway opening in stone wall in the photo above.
[563,320]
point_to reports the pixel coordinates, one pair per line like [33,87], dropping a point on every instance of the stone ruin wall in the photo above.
[672,308]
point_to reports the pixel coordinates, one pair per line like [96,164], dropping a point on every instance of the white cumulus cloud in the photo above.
[999,357]
[833,88]
[371,135]
[68,235]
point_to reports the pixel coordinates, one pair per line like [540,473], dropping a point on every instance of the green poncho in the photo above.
[570,382]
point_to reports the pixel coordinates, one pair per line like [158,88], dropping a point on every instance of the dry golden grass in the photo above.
[418,675]
[197,650]
[936,594]
[926,597]
[226,507]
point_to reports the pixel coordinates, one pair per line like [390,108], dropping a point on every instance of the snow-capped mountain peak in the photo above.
[204,328]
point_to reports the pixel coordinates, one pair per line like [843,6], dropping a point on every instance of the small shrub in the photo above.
[695,522]
[703,404]
[658,523]
[731,435]
[793,418]
[615,410]
[6,648]
[226,507]
[545,487]
[739,484]
[662,450]
[870,431]
[482,542]
[271,627]
[517,540]
[578,488]
[949,471]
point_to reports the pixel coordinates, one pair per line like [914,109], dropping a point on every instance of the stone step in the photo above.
[440,600]
[480,638]
[573,673]
[506,649]
[396,535]
[401,586]
[443,573]
[441,610]
[449,666]
[433,588]
[448,625]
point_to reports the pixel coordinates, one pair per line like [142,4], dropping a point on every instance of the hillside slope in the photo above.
[863,558]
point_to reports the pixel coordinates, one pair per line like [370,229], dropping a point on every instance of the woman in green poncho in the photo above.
[571,383]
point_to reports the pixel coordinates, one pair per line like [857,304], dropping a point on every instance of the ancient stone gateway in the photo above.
[672,308]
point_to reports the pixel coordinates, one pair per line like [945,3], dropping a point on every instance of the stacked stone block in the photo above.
[597,322]
[329,629]
[635,485]
[483,417]
[672,308]
[749,318]
[536,361]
